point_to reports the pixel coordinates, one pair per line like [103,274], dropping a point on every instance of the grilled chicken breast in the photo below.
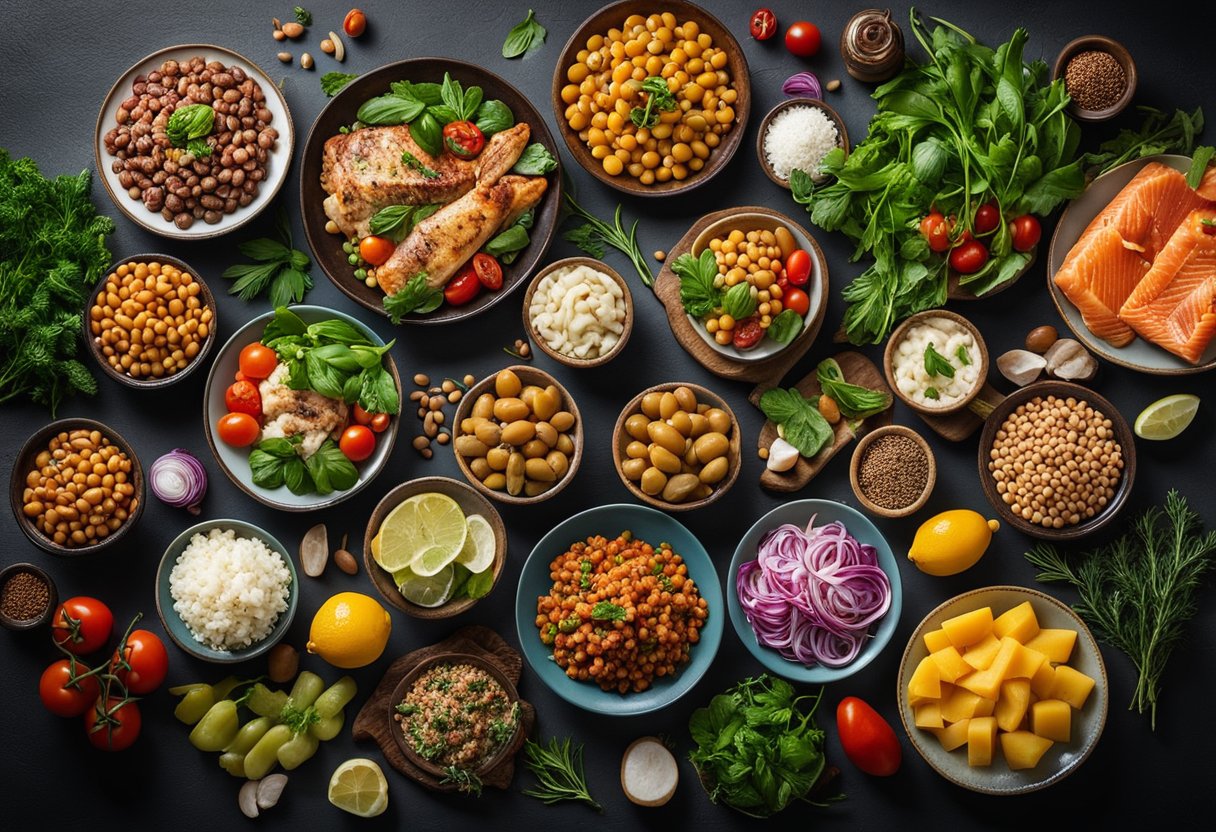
[363,171]
[299,412]
[444,241]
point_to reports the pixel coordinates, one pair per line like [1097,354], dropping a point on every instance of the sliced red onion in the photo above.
[178,479]
[812,596]
[802,85]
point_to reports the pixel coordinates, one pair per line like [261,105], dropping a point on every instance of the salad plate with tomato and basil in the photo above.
[301,407]
[430,189]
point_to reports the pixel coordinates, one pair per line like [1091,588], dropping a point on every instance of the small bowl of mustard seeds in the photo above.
[892,471]
[1099,76]
[27,596]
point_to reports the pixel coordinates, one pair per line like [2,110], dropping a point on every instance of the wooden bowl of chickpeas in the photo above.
[518,436]
[150,321]
[676,446]
[76,487]
[652,98]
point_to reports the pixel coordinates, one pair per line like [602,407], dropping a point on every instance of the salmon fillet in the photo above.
[1174,306]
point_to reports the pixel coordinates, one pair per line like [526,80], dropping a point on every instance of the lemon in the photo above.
[349,630]
[1168,417]
[358,786]
[376,548]
[430,525]
[426,590]
[478,552]
[951,542]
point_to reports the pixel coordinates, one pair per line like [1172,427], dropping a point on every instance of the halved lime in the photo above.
[392,547]
[1168,417]
[358,786]
[477,555]
[430,525]
[425,590]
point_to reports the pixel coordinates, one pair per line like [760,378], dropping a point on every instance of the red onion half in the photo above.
[178,479]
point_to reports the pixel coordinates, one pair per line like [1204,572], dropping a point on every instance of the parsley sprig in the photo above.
[280,270]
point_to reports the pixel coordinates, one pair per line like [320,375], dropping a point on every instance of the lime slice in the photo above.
[426,524]
[394,550]
[376,548]
[358,786]
[425,590]
[477,555]
[1168,417]
[432,561]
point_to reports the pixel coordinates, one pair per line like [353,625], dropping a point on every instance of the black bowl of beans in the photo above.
[27,596]
[1099,76]
[150,321]
[77,487]
[1057,460]
[206,175]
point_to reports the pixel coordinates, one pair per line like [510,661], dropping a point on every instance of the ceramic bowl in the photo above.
[859,454]
[842,133]
[52,601]
[561,357]
[1098,43]
[971,399]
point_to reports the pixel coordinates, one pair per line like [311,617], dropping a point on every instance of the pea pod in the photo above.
[297,750]
[217,728]
[232,763]
[336,697]
[263,757]
[248,736]
[427,133]
[305,691]
[266,702]
[195,704]
[329,727]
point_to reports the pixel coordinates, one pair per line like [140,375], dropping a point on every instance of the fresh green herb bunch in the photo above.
[658,100]
[281,271]
[595,235]
[1157,134]
[558,768]
[525,37]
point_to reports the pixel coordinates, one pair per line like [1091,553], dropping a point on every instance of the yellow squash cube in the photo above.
[950,664]
[981,741]
[981,654]
[969,628]
[953,735]
[961,704]
[1012,704]
[1042,682]
[929,715]
[1025,664]
[1056,645]
[1018,623]
[987,682]
[1023,749]
[935,640]
[925,682]
[1051,719]
[1072,686]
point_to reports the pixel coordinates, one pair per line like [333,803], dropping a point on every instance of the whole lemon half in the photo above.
[951,542]
[349,630]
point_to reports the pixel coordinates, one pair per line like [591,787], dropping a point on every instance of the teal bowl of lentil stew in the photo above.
[799,513]
[888,477]
[651,526]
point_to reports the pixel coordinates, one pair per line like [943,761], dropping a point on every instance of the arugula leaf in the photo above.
[536,160]
[416,297]
[937,364]
[801,423]
[524,37]
[333,82]
[414,162]
[397,221]
[493,116]
[697,275]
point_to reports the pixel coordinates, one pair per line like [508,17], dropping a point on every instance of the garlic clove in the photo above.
[1021,366]
[247,798]
[782,456]
[1068,359]
[269,789]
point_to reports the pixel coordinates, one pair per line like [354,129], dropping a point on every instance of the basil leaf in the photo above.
[389,109]
[801,422]
[479,584]
[266,470]
[334,329]
[427,92]
[427,133]
[296,476]
[284,322]
[854,401]
[536,160]
[937,364]
[330,469]
[697,275]
[351,388]
[416,297]
[397,221]
[378,392]
[324,377]
[738,301]
[443,113]
[278,447]
[510,241]
[524,37]
[785,327]
[493,116]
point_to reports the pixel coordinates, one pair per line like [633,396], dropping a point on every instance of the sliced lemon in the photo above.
[428,524]
[1168,417]
[426,590]
[477,555]
[358,786]
[394,550]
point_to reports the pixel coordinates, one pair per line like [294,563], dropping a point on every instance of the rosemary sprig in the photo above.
[1138,592]
[559,772]
[465,781]
[595,235]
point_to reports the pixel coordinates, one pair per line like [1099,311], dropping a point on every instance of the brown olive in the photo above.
[1041,338]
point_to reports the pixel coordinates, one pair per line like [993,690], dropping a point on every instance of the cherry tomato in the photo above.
[803,39]
[783,283]
[797,300]
[969,257]
[763,24]
[934,227]
[81,625]
[357,443]
[488,271]
[257,361]
[987,218]
[237,429]
[463,287]
[63,696]
[1207,227]
[868,739]
[355,23]
[243,397]
[798,267]
[112,725]
[362,417]
[376,250]
[463,139]
[1026,232]
[380,422]
[144,662]
[748,333]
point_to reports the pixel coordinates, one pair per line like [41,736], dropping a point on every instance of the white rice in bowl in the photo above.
[229,591]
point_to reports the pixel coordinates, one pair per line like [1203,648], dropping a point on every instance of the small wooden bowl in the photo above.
[971,400]
[562,358]
[613,16]
[470,503]
[25,463]
[621,438]
[151,383]
[505,750]
[1123,433]
[1099,43]
[527,375]
[859,454]
[842,138]
[52,601]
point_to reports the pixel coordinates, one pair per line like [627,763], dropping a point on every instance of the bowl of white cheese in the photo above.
[936,362]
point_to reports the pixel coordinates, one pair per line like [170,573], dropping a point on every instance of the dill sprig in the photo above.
[559,772]
[1138,592]
[595,235]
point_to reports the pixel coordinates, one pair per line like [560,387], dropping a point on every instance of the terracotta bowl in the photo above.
[971,400]
[859,454]
[1099,43]
[52,601]
[569,360]
[833,116]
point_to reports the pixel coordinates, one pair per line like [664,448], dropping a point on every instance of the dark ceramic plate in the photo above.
[327,248]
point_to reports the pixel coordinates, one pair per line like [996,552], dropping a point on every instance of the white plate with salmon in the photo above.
[1132,267]
[430,189]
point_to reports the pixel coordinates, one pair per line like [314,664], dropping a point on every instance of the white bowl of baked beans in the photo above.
[211,184]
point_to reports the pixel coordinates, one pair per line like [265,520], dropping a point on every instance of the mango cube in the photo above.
[1012,704]
[950,664]
[1072,686]
[953,735]
[925,683]
[1018,623]
[981,654]
[969,628]
[1051,719]
[961,704]
[929,715]
[981,741]
[1042,682]
[987,682]
[1056,645]
[1023,749]
[935,640]
[1025,664]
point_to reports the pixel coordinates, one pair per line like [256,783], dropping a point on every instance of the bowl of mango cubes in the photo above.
[1002,690]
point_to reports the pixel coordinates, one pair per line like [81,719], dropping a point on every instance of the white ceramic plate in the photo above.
[1061,759]
[1139,355]
[235,461]
[276,167]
